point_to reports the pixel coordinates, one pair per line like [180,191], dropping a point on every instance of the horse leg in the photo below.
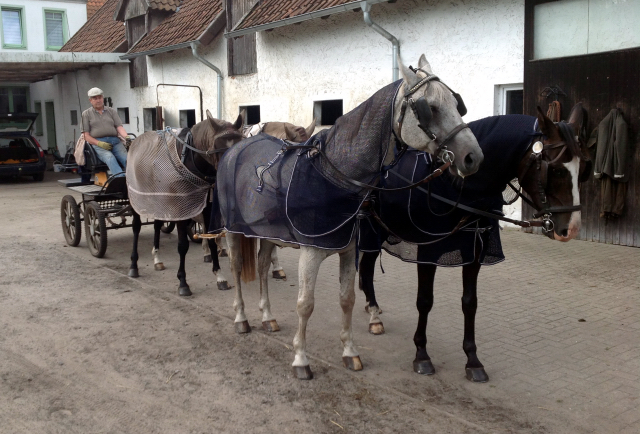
[234,241]
[278,272]
[135,225]
[183,248]
[157,263]
[206,249]
[426,274]
[223,251]
[308,266]
[474,369]
[210,243]
[269,322]
[350,356]
[367,270]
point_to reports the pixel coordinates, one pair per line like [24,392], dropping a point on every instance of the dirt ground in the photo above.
[86,349]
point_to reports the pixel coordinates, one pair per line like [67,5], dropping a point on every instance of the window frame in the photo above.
[23,27]
[500,96]
[65,28]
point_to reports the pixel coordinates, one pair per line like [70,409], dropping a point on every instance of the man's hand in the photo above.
[104,145]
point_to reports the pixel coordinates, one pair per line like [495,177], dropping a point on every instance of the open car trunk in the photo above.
[15,150]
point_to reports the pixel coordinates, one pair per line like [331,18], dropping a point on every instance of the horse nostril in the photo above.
[468,160]
[564,233]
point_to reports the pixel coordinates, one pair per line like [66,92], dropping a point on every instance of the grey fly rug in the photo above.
[417,222]
[160,186]
[266,190]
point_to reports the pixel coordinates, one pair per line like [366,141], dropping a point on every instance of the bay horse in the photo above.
[310,196]
[549,162]
[200,157]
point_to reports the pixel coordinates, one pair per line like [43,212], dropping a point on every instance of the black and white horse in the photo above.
[549,163]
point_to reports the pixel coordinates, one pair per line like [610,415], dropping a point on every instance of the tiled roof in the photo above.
[93,6]
[186,25]
[100,34]
[268,11]
[167,5]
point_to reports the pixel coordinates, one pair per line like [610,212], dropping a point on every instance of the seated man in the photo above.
[101,126]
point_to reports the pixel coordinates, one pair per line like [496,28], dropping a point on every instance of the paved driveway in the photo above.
[557,325]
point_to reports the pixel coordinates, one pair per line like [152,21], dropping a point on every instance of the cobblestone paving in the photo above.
[557,330]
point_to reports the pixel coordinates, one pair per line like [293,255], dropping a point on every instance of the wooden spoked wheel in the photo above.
[70,219]
[95,229]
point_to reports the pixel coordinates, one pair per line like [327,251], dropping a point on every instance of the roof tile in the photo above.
[167,5]
[100,34]
[93,6]
[186,25]
[269,11]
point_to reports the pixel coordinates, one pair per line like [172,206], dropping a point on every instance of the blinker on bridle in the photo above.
[423,114]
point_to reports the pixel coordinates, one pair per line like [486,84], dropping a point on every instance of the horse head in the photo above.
[434,123]
[216,135]
[556,167]
[285,130]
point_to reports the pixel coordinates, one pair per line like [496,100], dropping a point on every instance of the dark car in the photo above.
[20,153]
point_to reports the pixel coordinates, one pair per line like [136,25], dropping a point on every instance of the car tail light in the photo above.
[39,147]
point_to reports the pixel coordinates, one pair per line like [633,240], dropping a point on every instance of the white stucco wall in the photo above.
[76,13]
[473,45]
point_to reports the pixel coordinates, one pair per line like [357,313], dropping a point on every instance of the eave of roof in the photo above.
[239,31]
[31,67]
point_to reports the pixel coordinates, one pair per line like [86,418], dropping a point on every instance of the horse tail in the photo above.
[248,252]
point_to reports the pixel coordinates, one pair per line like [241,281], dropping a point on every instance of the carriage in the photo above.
[104,205]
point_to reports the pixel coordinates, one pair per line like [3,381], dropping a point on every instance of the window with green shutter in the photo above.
[55,26]
[13,29]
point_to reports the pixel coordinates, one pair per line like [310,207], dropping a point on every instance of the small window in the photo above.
[149,115]
[509,99]
[187,118]
[250,114]
[55,23]
[13,27]
[74,117]
[327,112]
[123,112]
[37,107]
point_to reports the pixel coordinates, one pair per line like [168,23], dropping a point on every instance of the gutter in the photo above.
[156,50]
[299,18]
[194,51]
[395,45]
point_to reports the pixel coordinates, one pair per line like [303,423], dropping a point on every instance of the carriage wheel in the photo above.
[95,229]
[168,227]
[195,228]
[71,222]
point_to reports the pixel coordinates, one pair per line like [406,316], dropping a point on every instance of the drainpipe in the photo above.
[395,45]
[194,51]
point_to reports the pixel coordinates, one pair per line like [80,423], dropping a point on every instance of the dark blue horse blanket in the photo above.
[417,221]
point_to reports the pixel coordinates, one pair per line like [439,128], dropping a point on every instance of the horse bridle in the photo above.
[423,114]
[542,168]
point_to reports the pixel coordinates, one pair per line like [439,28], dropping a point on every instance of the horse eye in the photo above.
[433,108]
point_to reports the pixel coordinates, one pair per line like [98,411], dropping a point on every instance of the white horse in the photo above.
[433,124]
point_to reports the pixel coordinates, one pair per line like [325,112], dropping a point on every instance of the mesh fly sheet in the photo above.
[293,195]
[160,186]
[413,217]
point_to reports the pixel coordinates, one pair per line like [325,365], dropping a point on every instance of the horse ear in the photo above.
[215,123]
[408,76]
[546,125]
[311,128]
[290,131]
[238,123]
[577,118]
[424,64]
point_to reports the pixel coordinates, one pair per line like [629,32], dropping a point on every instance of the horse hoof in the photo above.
[353,363]
[477,375]
[223,285]
[302,372]
[366,307]
[159,266]
[242,327]
[133,272]
[423,367]
[207,258]
[184,291]
[271,326]
[223,253]
[279,275]
[376,328]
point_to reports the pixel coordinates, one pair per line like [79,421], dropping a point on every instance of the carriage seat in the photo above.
[92,164]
